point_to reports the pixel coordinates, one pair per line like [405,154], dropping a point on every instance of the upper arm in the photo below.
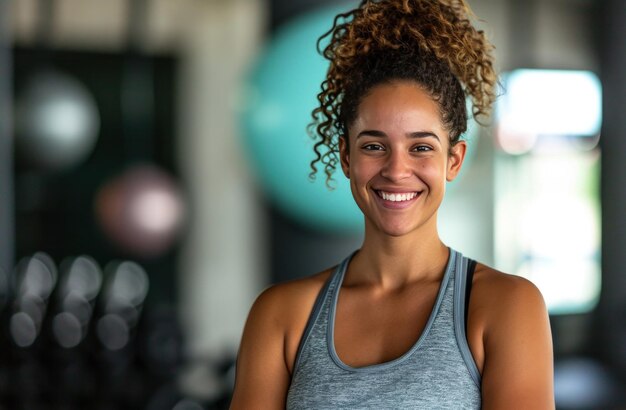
[262,377]
[518,367]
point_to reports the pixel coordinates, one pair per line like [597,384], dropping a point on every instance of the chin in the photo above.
[402,226]
[394,230]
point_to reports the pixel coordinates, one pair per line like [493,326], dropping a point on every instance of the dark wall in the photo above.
[612,309]
[54,211]
[6,142]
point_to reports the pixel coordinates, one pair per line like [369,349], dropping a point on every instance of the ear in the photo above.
[455,160]
[344,156]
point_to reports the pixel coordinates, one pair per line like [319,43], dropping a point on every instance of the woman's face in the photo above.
[398,159]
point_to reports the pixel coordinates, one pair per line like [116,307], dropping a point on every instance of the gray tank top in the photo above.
[438,372]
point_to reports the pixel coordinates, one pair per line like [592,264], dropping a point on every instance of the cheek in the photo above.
[358,175]
[434,171]
[361,174]
[363,170]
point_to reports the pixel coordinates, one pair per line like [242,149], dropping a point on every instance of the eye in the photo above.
[422,148]
[372,147]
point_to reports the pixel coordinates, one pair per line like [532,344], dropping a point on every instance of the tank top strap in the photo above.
[460,294]
[327,291]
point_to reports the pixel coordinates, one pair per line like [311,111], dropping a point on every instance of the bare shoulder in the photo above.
[501,293]
[269,342]
[510,336]
[286,301]
[500,303]
[488,276]
[283,309]
[296,299]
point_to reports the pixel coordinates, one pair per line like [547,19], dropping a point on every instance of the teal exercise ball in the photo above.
[276,104]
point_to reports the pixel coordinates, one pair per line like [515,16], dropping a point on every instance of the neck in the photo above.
[391,262]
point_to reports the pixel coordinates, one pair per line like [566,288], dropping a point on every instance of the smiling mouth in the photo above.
[397,196]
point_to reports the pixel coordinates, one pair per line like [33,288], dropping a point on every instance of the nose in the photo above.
[397,166]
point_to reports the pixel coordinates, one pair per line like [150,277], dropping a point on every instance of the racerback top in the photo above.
[437,372]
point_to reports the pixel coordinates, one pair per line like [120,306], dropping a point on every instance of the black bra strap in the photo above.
[471,266]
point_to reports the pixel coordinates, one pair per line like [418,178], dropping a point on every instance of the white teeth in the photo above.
[397,197]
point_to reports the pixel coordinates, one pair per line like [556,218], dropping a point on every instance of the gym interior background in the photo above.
[153,180]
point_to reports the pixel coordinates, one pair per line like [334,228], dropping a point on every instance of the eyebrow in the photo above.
[416,134]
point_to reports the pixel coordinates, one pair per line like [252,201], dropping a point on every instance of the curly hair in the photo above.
[430,42]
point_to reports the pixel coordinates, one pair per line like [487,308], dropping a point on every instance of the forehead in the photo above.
[400,106]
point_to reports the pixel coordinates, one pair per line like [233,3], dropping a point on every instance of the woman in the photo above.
[395,324]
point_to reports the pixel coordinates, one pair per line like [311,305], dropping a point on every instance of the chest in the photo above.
[353,365]
[371,329]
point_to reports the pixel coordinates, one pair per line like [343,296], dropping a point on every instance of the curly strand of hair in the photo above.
[323,128]
[333,30]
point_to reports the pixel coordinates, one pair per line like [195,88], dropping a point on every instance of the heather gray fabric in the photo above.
[438,372]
